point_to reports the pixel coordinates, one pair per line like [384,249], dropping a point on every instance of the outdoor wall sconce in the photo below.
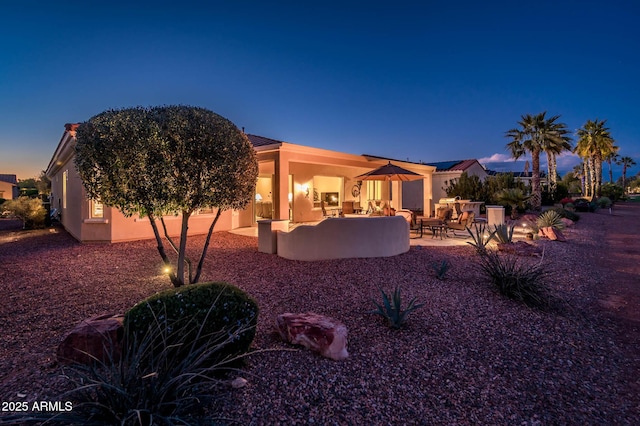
[305,189]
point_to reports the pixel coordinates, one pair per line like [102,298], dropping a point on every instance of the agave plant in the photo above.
[480,238]
[504,233]
[441,268]
[550,219]
[391,308]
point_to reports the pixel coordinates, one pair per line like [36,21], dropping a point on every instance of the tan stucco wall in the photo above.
[339,238]
[6,190]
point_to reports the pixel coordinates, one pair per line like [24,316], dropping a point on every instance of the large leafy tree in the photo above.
[535,135]
[626,163]
[594,145]
[167,160]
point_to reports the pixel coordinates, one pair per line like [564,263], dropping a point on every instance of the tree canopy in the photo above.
[166,160]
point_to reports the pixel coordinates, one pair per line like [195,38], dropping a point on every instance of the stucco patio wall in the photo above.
[349,237]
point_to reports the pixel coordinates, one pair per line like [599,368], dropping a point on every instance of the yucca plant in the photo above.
[391,308]
[515,278]
[441,269]
[504,233]
[480,238]
[551,219]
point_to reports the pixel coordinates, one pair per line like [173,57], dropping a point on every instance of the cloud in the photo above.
[495,158]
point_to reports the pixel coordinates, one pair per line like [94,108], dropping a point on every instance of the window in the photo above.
[97,209]
[65,178]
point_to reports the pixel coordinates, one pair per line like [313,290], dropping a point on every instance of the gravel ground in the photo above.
[469,356]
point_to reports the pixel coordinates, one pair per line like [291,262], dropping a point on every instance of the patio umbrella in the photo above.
[390,173]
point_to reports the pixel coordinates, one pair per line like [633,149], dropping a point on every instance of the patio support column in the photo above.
[427,196]
[396,190]
[281,187]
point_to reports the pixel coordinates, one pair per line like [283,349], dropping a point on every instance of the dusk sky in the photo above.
[419,80]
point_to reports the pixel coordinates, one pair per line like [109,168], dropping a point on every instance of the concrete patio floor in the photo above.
[426,239]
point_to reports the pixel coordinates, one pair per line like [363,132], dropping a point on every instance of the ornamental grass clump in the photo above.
[516,278]
[391,308]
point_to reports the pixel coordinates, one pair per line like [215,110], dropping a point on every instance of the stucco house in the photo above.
[443,174]
[9,187]
[296,182]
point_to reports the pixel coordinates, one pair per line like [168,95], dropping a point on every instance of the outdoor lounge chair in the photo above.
[415,229]
[464,221]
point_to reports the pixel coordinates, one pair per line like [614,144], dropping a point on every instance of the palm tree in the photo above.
[535,135]
[513,197]
[625,162]
[613,157]
[594,145]
[553,148]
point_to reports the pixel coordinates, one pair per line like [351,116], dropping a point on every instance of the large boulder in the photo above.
[316,332]
[94,338]
[551,233]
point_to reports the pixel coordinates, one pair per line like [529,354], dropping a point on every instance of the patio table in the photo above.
[434,225]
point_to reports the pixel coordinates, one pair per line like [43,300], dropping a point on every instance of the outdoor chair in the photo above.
[415,229]
[464,221]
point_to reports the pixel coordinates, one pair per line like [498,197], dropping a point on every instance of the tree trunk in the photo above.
[536,192]
[183,247]
[553,172]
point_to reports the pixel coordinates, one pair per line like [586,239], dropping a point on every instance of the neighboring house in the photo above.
[525,177]
[293,181]
[444,173]
[9,187]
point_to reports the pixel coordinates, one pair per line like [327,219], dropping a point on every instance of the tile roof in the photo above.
[262,141]
[9,178]
[450,166]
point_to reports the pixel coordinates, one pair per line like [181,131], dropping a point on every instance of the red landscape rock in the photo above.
[316,332]
[552,233]
[98,337]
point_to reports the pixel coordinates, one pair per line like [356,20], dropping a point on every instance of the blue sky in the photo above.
[419,80]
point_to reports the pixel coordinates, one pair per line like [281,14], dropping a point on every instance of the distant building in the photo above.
[445,173]
[9,187]
[525,177]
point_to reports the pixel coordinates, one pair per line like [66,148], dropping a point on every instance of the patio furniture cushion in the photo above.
[444,213]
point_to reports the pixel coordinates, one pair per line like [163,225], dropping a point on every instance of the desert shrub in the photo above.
[566,213]
[441,269]
[149,384]
[516,279]
[604,202]
[391,308]
[611,191]
[583,205]
[550,218]
[504,233]
[209,308]
[566,201]
[480,237]
[29,210]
